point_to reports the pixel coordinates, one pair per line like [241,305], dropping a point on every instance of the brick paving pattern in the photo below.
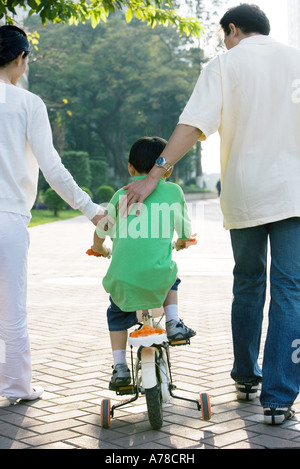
[71,353]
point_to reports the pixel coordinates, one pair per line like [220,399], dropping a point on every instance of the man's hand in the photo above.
[181,141]
[137,191]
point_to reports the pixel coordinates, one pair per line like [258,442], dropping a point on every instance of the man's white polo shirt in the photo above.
[251,95]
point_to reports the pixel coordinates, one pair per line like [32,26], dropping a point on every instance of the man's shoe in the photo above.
[120,376]
[246,392]
[178,330]
[277,415]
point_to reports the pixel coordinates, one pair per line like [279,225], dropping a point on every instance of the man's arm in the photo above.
[181,141]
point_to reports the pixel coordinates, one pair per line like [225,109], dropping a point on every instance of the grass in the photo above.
[40,217]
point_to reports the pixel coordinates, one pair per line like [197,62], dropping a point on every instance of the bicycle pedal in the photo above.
[174,343]
[122,390]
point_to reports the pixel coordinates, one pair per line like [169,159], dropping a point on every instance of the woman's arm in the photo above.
[39,136]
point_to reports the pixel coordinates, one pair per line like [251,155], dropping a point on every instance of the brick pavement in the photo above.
[71,353]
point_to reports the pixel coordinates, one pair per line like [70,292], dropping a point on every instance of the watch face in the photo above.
[160,161]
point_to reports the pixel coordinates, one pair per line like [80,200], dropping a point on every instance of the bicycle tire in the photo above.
[105,413]
[205,406]
[154,407]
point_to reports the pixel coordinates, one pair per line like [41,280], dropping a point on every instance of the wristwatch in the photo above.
[161,163]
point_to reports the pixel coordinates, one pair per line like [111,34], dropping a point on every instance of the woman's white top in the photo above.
[25,146]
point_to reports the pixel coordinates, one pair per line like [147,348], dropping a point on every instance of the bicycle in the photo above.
[151,373]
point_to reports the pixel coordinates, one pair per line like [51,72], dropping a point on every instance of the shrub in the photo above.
[85,189]
[105,193]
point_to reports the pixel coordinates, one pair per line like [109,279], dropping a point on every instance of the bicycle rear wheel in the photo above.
[154,407]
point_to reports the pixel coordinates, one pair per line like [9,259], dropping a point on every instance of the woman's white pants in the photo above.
[15,359]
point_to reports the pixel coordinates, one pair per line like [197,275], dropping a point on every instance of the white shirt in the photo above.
[251,94]
[25,146]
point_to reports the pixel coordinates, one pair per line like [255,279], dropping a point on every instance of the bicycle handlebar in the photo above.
[192,242]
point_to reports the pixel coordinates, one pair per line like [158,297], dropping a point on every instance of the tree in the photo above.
[78,163]
[121,81]
[152,11]
[54,201]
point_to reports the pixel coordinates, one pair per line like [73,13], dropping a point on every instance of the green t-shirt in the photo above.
[142,271]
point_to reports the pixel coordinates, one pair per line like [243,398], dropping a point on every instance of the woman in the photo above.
[25,146]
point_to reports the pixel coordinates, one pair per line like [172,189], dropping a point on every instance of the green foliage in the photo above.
[78,163]
[121,81]
[88,191]
[152,12]
[105,193]
[99,174]
[54,201]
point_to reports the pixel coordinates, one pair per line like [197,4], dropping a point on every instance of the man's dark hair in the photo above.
[144,152]
[13,41]
[249,18]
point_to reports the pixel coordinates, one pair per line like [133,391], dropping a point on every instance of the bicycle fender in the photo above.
[148,367]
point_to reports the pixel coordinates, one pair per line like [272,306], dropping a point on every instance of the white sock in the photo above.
[119,356]
[171,312]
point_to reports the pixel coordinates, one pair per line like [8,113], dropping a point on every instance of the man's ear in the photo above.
[233,29]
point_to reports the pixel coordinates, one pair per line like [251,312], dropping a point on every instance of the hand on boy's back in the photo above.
[136,191]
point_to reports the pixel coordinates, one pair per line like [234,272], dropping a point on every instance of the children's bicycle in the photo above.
[151,373]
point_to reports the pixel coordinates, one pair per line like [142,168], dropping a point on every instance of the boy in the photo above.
[142,274]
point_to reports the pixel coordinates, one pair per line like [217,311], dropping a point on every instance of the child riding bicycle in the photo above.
[142,274]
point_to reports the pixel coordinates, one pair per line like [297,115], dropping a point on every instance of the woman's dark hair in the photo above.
[249,18]
[13,41]
[144,152]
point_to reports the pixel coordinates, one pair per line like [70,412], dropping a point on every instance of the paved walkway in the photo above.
[72,359]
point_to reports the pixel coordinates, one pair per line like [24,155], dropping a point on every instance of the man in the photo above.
[251,96]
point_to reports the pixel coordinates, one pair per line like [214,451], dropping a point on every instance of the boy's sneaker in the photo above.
[178,330]
[120,376]
[246,392]
[276,415]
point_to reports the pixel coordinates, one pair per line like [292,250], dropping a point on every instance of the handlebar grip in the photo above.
[90,252]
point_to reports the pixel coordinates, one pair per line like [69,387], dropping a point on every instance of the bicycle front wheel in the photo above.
[154,407]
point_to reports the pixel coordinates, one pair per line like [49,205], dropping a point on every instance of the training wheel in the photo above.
[105,413]
[205,406]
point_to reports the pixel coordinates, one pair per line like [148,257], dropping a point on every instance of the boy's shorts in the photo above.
[119,320]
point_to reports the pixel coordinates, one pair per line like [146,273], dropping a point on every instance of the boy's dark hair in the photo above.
[249,18]
[144,152]
[13,41]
